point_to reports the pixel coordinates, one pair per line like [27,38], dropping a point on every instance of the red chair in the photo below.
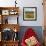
[29,33]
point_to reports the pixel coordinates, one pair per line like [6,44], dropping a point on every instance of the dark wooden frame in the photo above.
[35,13]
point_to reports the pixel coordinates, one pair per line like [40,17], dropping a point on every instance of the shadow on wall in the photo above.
[37,29]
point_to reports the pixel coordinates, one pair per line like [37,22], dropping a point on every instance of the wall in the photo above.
[33,3]
[7,3]
[27,3]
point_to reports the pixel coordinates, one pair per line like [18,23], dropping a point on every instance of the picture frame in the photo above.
[0,36]
[13,12]
[5,12]
[29,13]
[0,19]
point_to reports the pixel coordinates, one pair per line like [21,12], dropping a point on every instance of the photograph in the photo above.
[5,12]
[29,13]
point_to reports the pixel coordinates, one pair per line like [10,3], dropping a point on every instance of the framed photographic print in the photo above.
[30,13]
[0,19]
[5,12]
[0,36]
[12,12]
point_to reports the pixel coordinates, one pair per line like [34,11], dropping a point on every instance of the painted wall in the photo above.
[7,3]
[26,3]
[33,3]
